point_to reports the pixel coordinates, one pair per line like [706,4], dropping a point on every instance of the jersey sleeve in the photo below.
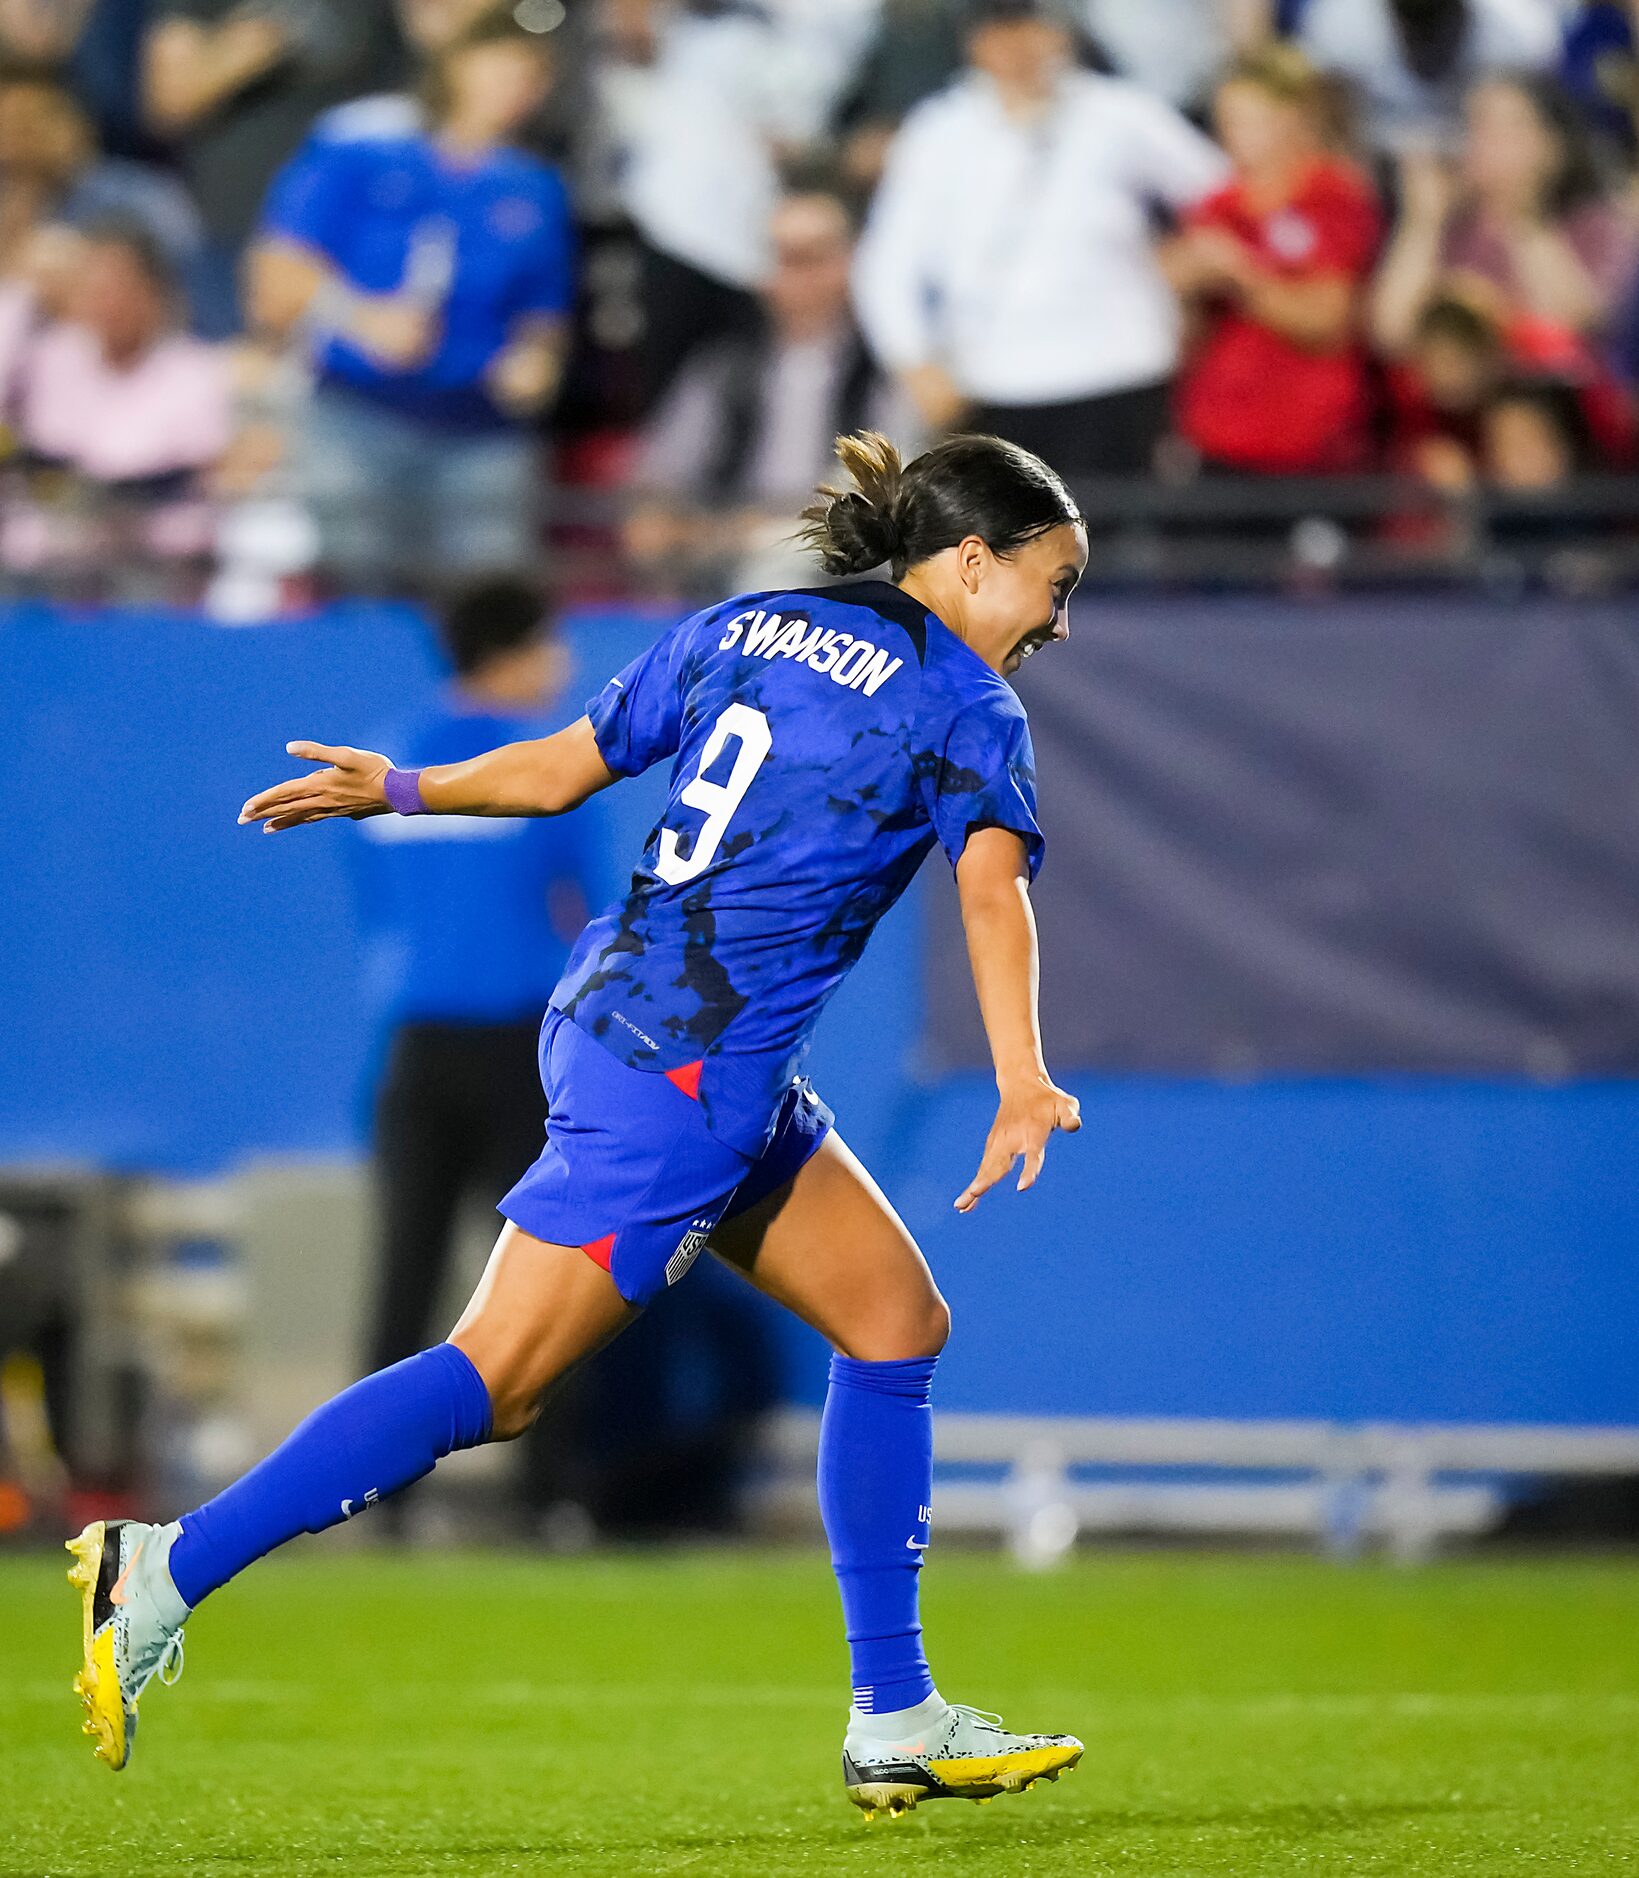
[984,776]
[637,717]
[310,199]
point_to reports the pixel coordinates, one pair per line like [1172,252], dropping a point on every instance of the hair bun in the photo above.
[863,533]
[853,530]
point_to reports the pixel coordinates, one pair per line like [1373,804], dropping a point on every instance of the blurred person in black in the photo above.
[750,422]
[234,86]
[914,51]
[705,98]
[468,923]
[97,44]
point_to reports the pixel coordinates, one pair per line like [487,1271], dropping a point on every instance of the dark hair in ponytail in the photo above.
[901,513]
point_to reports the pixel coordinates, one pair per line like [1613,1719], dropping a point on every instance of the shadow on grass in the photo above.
[1292,1824]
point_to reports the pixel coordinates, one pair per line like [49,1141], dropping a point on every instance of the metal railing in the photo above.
[1406,1487]
[1302,533]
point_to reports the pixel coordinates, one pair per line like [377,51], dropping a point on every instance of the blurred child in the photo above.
[1272,266]
[1533,436]
[1465,347]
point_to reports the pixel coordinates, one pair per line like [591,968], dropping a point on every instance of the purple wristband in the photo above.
[402,788]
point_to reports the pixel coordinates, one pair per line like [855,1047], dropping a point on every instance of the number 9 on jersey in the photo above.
[716,801]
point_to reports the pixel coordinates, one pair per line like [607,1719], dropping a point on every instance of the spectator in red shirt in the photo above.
[1273,266]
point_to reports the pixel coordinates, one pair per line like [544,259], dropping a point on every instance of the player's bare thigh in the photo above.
[538,1311]
[830,1247]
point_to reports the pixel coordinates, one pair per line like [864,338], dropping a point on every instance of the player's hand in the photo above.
[1028,1112]
[350,784]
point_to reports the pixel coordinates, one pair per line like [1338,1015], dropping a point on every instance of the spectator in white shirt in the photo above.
[1008,271]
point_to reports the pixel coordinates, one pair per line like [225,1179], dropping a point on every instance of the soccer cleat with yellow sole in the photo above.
[963,1755]
[131,1623]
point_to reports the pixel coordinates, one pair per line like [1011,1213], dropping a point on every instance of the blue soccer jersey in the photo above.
[824,740]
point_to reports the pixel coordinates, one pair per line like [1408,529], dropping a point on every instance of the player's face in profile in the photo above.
[1021,601]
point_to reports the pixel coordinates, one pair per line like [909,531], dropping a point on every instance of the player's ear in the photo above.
[972,556]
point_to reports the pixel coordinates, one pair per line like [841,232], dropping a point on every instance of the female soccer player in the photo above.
[822,741]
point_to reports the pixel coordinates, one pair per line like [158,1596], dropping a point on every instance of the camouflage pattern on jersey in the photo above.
[824,740]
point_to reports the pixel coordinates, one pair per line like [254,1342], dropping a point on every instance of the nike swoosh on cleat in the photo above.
[117,1594]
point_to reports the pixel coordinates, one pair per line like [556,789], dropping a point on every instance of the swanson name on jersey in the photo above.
[855,664]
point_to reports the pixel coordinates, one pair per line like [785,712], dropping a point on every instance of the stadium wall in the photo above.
[179,998]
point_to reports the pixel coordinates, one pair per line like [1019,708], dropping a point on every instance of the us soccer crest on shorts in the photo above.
[689,1248]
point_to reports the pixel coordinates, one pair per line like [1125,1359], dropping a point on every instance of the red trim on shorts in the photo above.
[687,1078]
[601,1251]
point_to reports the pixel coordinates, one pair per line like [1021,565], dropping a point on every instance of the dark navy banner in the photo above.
[1397,834]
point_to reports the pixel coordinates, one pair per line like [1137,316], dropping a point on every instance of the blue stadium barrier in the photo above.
[179,994]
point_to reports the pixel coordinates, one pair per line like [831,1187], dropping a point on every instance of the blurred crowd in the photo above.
[302,295]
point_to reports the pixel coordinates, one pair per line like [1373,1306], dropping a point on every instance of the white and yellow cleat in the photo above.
[950,1753]
[132,1619]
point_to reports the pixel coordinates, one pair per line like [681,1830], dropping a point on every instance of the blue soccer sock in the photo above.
[875,1485]
[363,1444]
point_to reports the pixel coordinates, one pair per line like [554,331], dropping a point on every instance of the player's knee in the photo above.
[917,1327]
[934,1328]
[513,1411]
[515,1395]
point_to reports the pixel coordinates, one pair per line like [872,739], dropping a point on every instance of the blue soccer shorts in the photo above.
[630,1171]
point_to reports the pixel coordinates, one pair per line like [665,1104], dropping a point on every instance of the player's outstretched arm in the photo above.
[993,885]
[546,776]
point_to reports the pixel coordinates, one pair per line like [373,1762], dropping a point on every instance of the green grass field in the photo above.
[358,1714]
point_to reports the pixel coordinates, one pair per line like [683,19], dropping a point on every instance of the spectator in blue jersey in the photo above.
[465,940]
[432,276]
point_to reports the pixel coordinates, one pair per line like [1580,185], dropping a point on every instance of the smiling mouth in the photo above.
[1032,642]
